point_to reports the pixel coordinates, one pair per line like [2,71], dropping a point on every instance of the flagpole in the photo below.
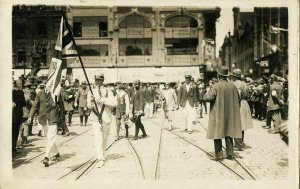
[79,57]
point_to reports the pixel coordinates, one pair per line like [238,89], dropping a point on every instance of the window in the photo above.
[93,50]
[41,29]
[137,40]
[181,46]
[56,28]
[20,30]
[21,58]
[135,47]
[103,29]
[90,26]
[181,36]
[77,29]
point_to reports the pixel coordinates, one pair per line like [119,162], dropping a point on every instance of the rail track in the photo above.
[18,164]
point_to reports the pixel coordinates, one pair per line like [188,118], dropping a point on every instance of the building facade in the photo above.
[259,42]
[126,43]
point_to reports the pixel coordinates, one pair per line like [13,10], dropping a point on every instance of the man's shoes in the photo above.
[40,133]
[85,124]
[247,146]
[145,136]
[238,148]
[100,163]
[183,130]
[273,131]
[46,162]
[266,127]
[231,157]
[170,128]
[55,157]
[216,159]
[67,134]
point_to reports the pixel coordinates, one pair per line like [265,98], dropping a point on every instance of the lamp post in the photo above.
[229,51]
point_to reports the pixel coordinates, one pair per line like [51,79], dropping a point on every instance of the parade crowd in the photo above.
[234,102]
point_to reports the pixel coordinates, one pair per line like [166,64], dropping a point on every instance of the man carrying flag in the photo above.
[48,102]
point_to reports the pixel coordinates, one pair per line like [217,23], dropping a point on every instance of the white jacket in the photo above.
[110,101]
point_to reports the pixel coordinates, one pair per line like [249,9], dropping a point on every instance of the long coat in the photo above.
[224,116]
[81,97]
[185,96]
[246,118]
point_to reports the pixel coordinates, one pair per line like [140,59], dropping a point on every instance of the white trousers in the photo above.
[189,114]
[100,139]
[51,148]
[149,109]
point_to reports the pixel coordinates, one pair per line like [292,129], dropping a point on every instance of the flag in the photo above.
[271,45]
[64,49]
[277,29]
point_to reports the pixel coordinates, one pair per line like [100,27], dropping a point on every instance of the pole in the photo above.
[79,57]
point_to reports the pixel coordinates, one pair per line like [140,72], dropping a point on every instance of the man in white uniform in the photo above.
[101,120]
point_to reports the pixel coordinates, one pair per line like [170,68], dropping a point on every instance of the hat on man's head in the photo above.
[137,82]
[237,73]
[223,71]
[83,83]
[100,76]
[188,76]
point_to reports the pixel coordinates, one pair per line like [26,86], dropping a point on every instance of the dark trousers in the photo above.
[86,119]
[257,109]
[204,104]
[218,147]
[69,116]
[139,125]
[270,114]
[239,142]
[15,135]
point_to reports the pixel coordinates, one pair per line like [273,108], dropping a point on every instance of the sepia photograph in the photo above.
[152,93]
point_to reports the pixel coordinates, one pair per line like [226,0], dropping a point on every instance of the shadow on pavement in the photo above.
[114,157]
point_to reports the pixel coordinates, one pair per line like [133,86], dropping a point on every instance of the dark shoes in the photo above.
[46,162]
[67,134]
[55,157]
[216,159]
[231,157]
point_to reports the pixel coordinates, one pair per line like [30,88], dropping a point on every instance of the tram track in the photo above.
[40,154]
[87,166]
[138,158]
[242,173]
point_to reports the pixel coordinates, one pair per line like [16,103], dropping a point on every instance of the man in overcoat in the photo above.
[187,99]
[224,117]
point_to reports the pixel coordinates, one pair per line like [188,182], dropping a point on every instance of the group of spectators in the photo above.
[267,98]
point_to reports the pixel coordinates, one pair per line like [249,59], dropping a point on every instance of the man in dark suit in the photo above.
[137,109]
[18,101]
[48,115]
[187,99]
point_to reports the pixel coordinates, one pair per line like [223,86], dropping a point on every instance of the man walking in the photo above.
[48,115]
[104,99]
[122,110]
[81,101]
[224,116]
[137,109]
[187,99]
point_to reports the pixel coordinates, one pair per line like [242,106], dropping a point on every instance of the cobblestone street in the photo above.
[175,156]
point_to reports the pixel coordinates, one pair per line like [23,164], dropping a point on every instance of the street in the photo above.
[170,155]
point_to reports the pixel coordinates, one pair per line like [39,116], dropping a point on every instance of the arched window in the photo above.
[135,36]
[181,35]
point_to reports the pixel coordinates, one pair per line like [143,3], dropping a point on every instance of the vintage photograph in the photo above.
[150,93]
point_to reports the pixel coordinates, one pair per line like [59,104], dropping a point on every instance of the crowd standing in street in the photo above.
[235,100]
